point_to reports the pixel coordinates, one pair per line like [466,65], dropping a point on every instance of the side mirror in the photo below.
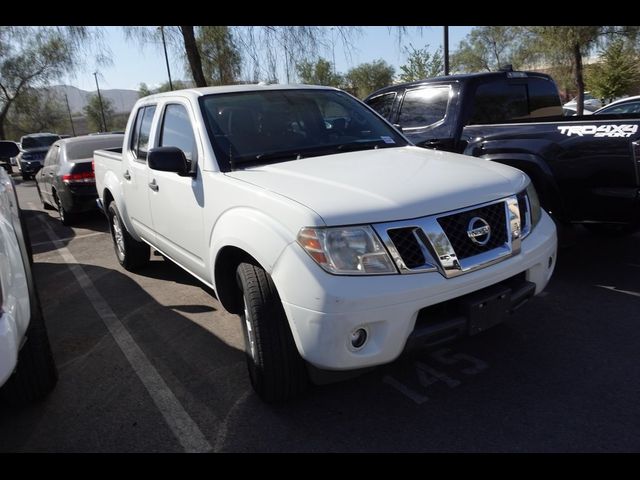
[8,149]
[169,159]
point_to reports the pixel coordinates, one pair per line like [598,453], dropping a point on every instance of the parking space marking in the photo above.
[181,424]
[628,292]
[66,239]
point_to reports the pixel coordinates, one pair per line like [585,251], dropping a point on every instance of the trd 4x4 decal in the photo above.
[599,131]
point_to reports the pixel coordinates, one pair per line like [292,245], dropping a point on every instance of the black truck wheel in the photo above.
[276,369]
[36,373]
[131,254]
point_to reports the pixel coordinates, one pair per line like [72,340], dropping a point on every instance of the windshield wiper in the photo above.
[293,154]
[364,145]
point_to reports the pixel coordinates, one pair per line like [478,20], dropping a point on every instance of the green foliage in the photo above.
[37,110]
[32,57]
[564,48]
[93,113]
[144,90]
[369,77]
[421,64]
[617,72]
[319,72]
[221,60]
[488,49]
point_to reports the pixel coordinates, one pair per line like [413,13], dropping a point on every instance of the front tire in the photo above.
[131,254]
[276,369]
[36,372]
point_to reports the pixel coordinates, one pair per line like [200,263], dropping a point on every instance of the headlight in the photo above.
[534,205]
[347,250]
[530,210]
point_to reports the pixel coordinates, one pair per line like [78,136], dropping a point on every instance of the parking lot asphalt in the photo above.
[151,362]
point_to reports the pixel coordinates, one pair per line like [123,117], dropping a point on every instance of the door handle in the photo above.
[153,185]
[126,175]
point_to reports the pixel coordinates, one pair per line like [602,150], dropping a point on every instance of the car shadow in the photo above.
[99,403]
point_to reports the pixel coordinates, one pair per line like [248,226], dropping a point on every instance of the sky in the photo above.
[133,64]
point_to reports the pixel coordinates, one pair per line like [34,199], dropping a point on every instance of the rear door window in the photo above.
[142,131]
[501,100]
[498,101]
[425,106]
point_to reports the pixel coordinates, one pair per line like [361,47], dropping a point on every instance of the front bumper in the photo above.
[30,168]
[323,309]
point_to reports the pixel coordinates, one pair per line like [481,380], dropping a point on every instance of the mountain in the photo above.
[123,100]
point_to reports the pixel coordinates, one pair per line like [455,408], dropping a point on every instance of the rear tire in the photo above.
[66,218]
[36,372]
[276,369]
[131,254]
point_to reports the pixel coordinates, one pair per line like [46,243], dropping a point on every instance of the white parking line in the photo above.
[628,292]
[181,424]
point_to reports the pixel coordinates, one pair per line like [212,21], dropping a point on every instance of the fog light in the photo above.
[358,337]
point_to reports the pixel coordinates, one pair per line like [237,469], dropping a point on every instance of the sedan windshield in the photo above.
[278,125]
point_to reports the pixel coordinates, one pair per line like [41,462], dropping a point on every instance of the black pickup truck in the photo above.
[586,168]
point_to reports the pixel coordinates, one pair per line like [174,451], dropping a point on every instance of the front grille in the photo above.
[456,226]
[407,246]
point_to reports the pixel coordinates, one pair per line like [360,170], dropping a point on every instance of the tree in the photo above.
[616,73]
[37,110]
[566,45]
[421,64]
[31,57]
[319,72]
[144,90]
[221,59]
[368,77]
[488,49]
[94,113]
[251,46]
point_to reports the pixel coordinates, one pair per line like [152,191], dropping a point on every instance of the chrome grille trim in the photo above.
[437,249]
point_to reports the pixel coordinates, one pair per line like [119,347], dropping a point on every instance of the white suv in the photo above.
[27,369]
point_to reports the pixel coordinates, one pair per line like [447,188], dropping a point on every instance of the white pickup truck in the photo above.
[337,242]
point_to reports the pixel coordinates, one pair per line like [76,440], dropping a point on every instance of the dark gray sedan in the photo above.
[66,181]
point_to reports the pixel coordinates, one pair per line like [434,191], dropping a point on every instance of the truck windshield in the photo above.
[278,125]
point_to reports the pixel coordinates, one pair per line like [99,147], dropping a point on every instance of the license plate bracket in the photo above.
[486,309]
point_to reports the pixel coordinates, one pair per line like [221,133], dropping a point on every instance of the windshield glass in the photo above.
[37,142]
[277,125]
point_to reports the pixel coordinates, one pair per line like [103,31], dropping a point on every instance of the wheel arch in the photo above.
[541,176]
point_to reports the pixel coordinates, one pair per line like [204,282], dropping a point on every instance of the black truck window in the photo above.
[498,101]
[424,106]
[543,98]
[383,103]
[501,101]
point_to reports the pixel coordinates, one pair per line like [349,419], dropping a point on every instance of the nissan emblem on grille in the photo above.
[479,231]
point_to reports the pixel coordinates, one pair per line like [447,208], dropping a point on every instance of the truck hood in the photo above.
[385,184]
